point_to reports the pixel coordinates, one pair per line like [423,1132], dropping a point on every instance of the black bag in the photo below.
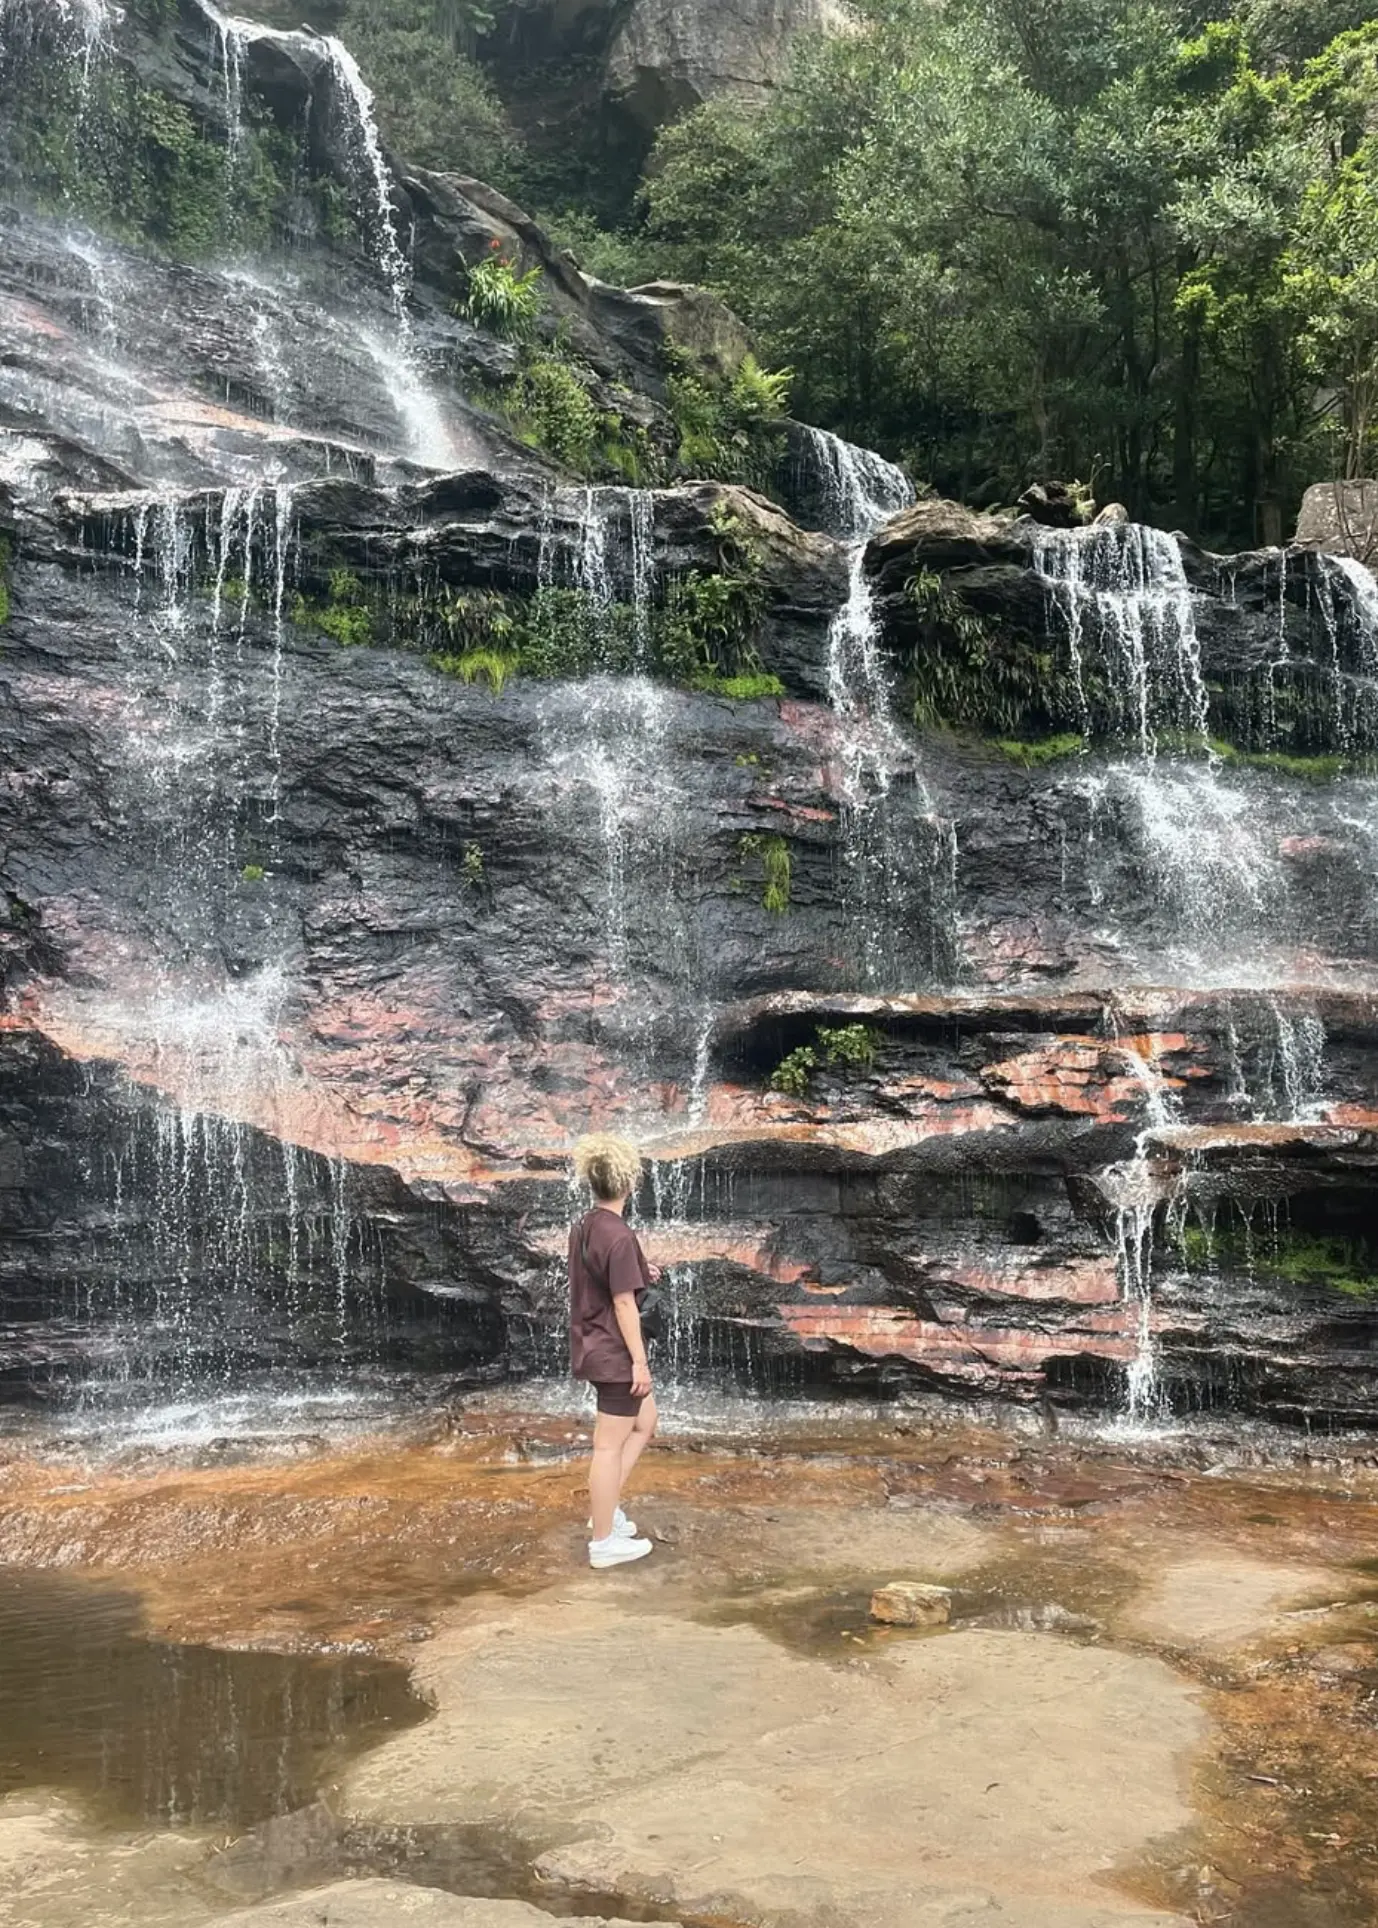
[650,1303]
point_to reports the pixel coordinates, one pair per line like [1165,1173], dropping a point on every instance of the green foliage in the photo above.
[1306,769]
[553,410]
[962,673]
[777,869]
[729,431]
[565,635]
[457,620]
[794,1074]
[622,259]
[433,102]
[1045,750]
[472,866]
[487,666]
[346,615]
[1101,238]
[699,637]
[850,1046]
[853,1045]
[253,874]
[740,689]
[1307,1260]
[135,162]
[498,298]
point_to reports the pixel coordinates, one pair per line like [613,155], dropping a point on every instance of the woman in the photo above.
[608,1274]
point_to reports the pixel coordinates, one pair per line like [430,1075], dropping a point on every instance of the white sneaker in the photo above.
[622,1527]
[617,1550]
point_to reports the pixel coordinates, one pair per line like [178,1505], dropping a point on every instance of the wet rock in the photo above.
[726,1744]
[1056,505]
[906,1603]
[366,1903]
[1341,517]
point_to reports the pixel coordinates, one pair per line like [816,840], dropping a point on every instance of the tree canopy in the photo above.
[1106,239]
[1129,242]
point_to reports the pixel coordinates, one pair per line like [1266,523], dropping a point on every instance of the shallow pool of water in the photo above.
[94,1704]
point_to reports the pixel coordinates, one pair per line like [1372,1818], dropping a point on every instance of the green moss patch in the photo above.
[1045,750]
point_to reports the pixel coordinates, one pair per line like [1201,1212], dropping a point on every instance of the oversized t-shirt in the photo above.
[597,1350]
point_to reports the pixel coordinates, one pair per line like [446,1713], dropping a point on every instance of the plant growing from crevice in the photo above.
[794,1073]
[471,866]
[752,688]
[1307,1260]
[4,581]
[346,615]
[964,674]
[728,430]
[499,298]
[776,868]
[487,666]
[552,409]
[852,1045]
[849,1047]
[1042,751]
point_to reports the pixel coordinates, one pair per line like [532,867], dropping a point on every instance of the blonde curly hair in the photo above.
[610,1167]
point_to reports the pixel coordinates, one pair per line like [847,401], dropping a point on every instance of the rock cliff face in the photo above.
[666,57]
[654,59]
[367,833]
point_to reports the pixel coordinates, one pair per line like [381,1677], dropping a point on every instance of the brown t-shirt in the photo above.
[597,1350]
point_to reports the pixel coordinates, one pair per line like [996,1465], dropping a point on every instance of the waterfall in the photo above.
[615,561]
[376,182]
[1363,588]
[420,411]
[104,278]
[236,1215]
[595,577]
[231,37]
[1296,1080]
[703,1058]
[84,27]
[362,140]
[1125,608]
[859,489]
[641,512]
[860,492]
[1346,595]
[1134,1191]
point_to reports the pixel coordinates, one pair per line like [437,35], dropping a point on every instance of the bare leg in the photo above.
[643,1432]
[610,1436]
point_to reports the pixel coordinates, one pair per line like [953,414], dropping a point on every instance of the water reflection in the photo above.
[177,1735]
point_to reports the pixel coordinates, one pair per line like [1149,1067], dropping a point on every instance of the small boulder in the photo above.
[1057,505]
[1112,512]
[907,1603]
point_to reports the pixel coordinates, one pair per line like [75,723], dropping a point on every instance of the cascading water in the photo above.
[1119,598]
[362,142]
[1296,1081]
[1126,611]
[84,27]
[621,725]
[1135,1192]
[1346,595]
[236,1214]
[859,492]
[376,182]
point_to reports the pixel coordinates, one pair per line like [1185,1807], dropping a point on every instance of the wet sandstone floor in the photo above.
[231,1674]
